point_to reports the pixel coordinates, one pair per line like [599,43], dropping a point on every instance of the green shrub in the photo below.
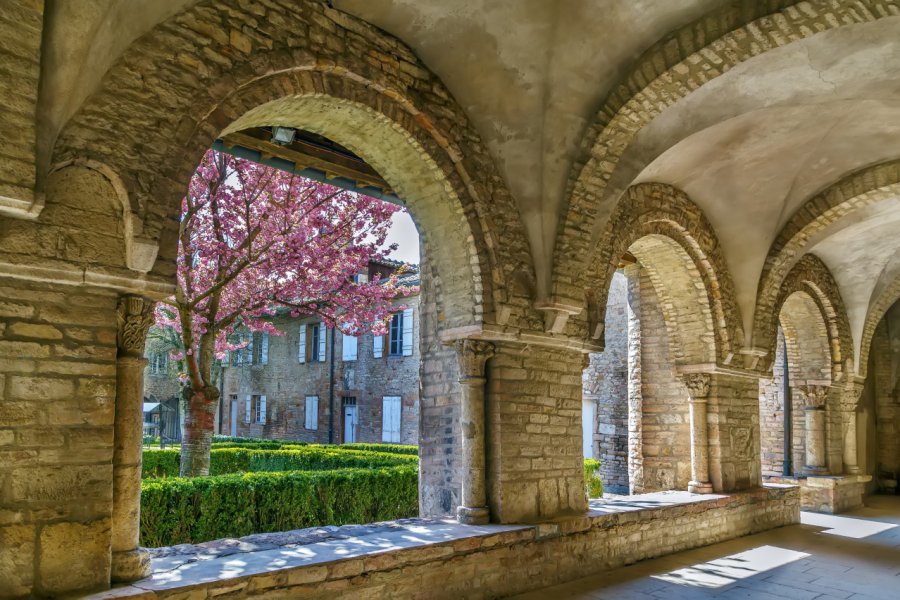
[182,510]
[165,463]
[389,448]
[593,485]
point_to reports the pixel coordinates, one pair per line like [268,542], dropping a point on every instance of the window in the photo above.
[401,333]
[255,409]
[255,350]
[312,412]
[159,363]
[390,419]
[316,343]
[349,347]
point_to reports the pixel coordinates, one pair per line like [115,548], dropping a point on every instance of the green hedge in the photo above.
[165,463]
[389,448]
[181,510]
[593,485]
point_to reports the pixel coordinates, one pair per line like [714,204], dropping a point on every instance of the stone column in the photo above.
[849,402]
[814,400]
[129,562]
[472,356]
[698,388]
[635,391]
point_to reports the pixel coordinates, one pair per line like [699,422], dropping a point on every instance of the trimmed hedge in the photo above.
[165,463]
[191,510]
[593,485]
[389,448]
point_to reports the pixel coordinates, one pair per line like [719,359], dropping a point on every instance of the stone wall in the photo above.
[57,400]
[771,425]
[733,414]
[286,382]
[492,564]
[21,29]
[886,382]
[534,433]
[666,423]
[606,382]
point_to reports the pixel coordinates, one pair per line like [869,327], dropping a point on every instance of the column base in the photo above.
[478,515]
[130,565]
[815,471]
[851,470]
[698,487]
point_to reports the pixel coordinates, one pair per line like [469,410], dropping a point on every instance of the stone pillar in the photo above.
[472,356]
[814,401]
[635,391]
[849,401]
[697,385]
[129,562]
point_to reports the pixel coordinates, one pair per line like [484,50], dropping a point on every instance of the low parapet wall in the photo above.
[415,559]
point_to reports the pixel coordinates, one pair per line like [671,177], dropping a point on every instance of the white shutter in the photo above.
[312,412]
[378,345]
[248,406]
[302,353]
[264,348]
[363,278]
[322,331]
[248,350]
[408,332]
[262,409]
[349,345]
[390,419]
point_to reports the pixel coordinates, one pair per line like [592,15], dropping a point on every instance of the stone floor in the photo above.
[854,556]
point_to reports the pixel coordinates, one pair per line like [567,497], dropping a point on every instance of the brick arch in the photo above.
[177,88]
[885,295]
[807,336]
[862,188]
[668,71]
[810,276]
[655,210]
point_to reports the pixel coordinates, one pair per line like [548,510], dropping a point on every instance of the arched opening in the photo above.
[658,321]
[802,365]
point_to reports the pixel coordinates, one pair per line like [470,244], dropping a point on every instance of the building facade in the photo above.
[318,385]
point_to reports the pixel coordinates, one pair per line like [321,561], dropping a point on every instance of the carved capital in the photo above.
[134,315]
[814,396]
[697,384]
[472,356]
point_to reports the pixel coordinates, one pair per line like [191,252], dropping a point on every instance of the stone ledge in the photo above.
[403,558]
[829,494]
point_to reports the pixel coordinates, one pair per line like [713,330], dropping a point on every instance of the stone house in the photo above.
[319,385]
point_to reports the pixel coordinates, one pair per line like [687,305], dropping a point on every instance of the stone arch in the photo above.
[671,69]
[811,278]
[886,293]
[181,85]
[648,214]
[857,190]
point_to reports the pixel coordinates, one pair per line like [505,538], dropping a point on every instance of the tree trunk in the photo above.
[198,431]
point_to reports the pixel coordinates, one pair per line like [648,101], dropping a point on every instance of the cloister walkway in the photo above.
[853,556]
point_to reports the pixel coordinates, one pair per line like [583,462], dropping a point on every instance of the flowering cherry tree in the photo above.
[253,240]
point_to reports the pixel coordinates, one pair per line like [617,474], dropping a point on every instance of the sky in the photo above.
[403,232]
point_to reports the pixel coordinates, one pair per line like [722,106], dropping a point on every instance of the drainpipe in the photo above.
[787,470]
[331,392]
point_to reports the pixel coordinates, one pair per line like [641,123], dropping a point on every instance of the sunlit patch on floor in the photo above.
[849,527]
[728,569]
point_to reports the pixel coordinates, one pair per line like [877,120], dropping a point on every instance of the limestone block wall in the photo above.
[733,416]
[606,380]
[57,399]
[286,382]
[666,423]
[534,453]
[771,425]
[21,26]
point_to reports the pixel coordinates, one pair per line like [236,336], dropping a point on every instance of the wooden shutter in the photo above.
[302,346]
[390,419]
[408,332]
[349,347]
[378,345]
[312,412]
[248,406]
[262,409]
[264,348]
[322,331]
